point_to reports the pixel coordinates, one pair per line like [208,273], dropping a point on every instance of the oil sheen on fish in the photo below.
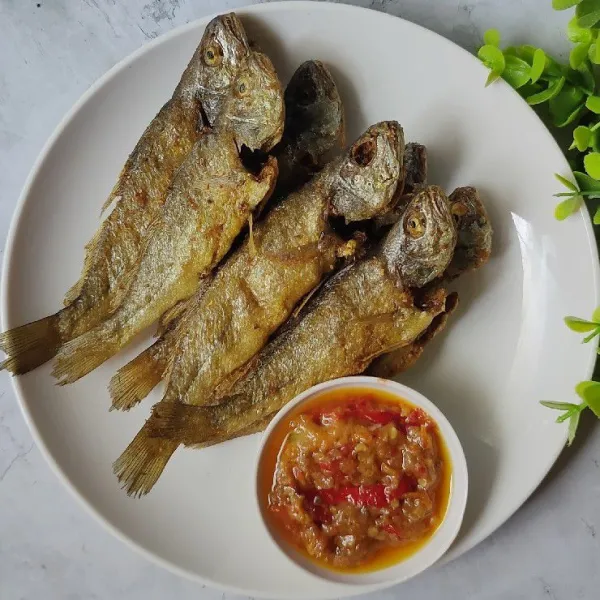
[473,250]
[314,129]
[210,200]
[138,197]
[363,311]
[290,253]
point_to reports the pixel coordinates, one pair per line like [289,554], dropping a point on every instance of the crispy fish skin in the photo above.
[360,313]
[256,291]
[314,129]
[290,253]
[473,250]
[393,363]
[139,194]
[474,245]
[415,169]
[314,125]
[209,202]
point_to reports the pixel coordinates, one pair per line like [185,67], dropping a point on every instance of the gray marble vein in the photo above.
[50,548]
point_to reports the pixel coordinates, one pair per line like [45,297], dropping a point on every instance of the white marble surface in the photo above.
[50,548]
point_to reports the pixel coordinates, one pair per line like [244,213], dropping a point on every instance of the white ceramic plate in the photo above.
[506,349]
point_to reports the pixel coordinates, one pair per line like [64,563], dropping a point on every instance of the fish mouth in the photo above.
[233,27]
[364,152]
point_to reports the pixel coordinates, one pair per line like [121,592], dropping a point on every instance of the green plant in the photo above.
[566,93]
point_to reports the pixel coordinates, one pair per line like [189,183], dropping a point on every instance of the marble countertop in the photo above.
[50,548]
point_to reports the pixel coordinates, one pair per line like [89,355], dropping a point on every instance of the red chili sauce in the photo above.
[356,479]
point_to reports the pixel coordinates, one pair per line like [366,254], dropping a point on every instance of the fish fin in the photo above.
[83,354]
[143,462]
[31,345]
[170,317]
[133,382]
[73,292]
[88,261]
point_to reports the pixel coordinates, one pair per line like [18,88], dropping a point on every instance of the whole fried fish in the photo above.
[139,194]
[210,200]
[363,311]
[314,127]
[291,251]
[473,250]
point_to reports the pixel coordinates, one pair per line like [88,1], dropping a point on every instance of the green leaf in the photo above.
[594,53]
[583,78]
[589,338]
[596,315]
[591,162]
[578,34]
[573,424]
[593,104]
[589,392]
[578,54]
[588,13]
[582,137]
[516,72]
[596,219]
[492,57]
[538,64]
[558,405]
[586,183]
[491,37]
[567,207]
[548,94]
[568,184]
[563,122]
[525,52]
[564,4]
[491,78]
[579,325]
[565,107]
[595,145]
[529,89]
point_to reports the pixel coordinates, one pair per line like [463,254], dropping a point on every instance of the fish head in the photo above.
[216,62]
[255,110]
[366,178]
[314,117]
[421,244]
[474,243]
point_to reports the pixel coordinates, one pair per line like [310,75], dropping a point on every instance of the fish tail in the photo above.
[143,462]
[184,422]
[83,354]
[133,382]
[31,345]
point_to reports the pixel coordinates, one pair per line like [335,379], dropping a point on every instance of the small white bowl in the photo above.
[445,534]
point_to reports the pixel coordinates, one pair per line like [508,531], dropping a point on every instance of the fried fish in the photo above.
[138,195]
[314,128]
[209,202]
[363,311]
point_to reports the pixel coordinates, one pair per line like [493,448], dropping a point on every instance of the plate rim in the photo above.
[9,260]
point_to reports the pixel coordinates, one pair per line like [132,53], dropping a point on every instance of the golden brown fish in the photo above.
[209,202]
[473,250]
[291,251]
[415,175]
[139,195]
[314,129]
[363,311]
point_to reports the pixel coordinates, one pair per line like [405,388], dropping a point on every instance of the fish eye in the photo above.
[213,55]
[458,210]
[415,225]
[362,154]
[242,87]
